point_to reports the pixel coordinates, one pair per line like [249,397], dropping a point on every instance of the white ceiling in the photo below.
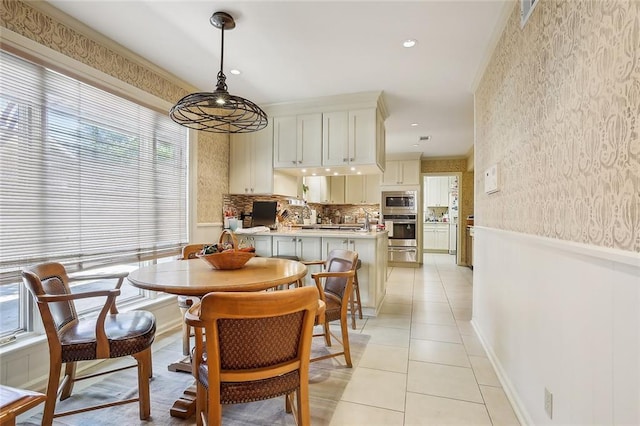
[294,50]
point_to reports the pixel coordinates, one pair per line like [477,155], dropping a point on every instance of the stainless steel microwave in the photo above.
[399,202]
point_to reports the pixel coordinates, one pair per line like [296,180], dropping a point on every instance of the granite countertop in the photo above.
[323,232]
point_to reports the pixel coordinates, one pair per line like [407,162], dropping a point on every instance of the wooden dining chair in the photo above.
[251,347]
[335,285]
[71,339]
[184,303]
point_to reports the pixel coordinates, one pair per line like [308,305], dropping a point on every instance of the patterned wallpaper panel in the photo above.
[558,110]
[27,20]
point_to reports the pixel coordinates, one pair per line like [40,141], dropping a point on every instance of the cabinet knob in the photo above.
[344,160]
[352,159]
[299,161]
[294,162]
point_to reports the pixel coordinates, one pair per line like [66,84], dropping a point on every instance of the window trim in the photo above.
[30,50]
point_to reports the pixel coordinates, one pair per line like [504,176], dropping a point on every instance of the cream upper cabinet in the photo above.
[362,189]
[318,189]
[350,137]
[336,189]
[297,141]
[250,165]
[437,191]
[401,172]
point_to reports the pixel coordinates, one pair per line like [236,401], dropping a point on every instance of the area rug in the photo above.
[328,379]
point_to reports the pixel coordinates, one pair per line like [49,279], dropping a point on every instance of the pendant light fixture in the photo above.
[219,111]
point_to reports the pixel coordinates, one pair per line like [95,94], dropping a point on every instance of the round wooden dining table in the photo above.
[196,277]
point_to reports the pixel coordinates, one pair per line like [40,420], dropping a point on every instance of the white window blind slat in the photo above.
[87,178]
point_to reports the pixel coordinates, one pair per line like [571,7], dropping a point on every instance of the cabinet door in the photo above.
[442,237]
[262,243]
[285,142]
[335,138]
[410,172]
[362,136]
[318,189]
[391,171]
[285,246]
[262,161]
[433,192]
[372,189]
[333,243]
[381,144]
[337,189]
[240,164]
[444,191]
[366,249]
[354,192]
[310,248]
[429,234]
[309,140]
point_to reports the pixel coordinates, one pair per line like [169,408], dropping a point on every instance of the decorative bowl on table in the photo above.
[230,258]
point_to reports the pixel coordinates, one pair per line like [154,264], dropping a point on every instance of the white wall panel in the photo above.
[564,316]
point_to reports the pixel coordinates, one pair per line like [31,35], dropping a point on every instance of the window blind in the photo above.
[87,178]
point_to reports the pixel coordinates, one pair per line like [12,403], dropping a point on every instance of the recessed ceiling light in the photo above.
[335,173]
[414,124]
[235,71]
[359,173]
[409,43]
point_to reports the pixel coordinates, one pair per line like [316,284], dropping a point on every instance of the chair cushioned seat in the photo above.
[128,333]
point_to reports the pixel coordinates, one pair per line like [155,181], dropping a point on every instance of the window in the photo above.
[87,179]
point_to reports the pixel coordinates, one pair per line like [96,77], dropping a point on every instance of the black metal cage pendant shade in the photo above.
[219,111]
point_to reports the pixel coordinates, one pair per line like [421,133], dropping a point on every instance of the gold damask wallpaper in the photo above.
[31,20]
[558,110]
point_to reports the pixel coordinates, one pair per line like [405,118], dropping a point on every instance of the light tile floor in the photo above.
[424,364]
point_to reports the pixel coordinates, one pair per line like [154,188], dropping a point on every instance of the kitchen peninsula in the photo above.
[315,244]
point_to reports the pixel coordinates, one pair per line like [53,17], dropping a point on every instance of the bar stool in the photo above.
[355,304]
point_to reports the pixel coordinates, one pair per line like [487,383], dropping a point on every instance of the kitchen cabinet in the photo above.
[437,191]
[297,141]
[306,248]
[362,189]
[401,172]
[366,249]
[336,190]
[435,236]
[250,166]
[349,138]
[325,189]
[318,191]
[262,244]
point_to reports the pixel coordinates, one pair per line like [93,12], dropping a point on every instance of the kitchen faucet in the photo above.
[366,219]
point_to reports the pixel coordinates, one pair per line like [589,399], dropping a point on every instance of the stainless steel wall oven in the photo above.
[403,244]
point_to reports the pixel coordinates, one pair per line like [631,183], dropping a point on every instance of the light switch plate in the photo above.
[491,179]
